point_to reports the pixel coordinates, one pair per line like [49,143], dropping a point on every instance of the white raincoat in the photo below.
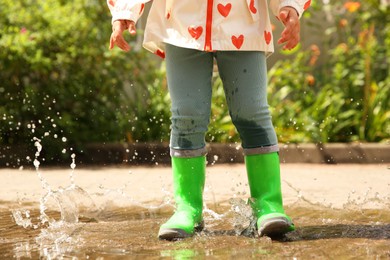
[208,25]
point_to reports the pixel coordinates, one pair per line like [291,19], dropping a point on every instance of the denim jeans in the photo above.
[244,78]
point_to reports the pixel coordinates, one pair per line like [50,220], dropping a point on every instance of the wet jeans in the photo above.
[244,77]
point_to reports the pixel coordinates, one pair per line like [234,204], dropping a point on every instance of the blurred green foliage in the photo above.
[59,81]
[61,84]
[340,93]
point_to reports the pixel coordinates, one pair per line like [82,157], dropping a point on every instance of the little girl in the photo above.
[190,34]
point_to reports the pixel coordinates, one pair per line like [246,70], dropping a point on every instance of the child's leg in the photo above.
[244,76]
[189,75]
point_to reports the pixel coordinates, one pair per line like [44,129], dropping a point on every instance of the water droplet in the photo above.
[36,163]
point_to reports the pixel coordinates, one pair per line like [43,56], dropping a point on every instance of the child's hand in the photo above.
[290,35]
[118,27]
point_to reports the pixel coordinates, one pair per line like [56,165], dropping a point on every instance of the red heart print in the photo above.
[224,10]
[238,41]
[195,32]
[307,4]
[142,8]
[168,15]
[252,7]
[160,53]
[267,37]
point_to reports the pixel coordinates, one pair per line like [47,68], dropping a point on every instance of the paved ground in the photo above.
[332,185]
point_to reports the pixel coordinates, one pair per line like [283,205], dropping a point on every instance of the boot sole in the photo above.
[173,234]
[275,227]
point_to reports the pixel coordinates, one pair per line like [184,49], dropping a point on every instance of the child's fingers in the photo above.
[290,35]
[117,39]
[291,41]
[293,38]
[132,29]
[118,28]
[120,41]
[283,15]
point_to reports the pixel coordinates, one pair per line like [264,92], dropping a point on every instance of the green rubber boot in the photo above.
[188,184]
[264,181]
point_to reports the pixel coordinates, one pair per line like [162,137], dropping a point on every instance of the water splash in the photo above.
[36,162]
[70,201]
[45,186]
[244,221]
[73,202]
[58,240]
[72,166]
[22,250]
[211,215]
[22,218]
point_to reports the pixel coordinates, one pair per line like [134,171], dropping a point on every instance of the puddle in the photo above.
[132,231]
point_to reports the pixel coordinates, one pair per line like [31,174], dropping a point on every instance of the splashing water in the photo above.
[72,166]
[37,144]
[70,200]
[22,218]
[244,221]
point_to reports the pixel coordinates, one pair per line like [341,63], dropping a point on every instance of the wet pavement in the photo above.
[331,185]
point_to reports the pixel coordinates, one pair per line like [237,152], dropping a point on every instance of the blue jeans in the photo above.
[244,78]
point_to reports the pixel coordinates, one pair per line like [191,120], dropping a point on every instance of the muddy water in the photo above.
[131,232]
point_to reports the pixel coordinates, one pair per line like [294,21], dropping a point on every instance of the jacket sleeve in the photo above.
[299,5]
[126,9]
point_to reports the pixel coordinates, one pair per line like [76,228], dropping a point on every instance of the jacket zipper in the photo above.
[209,21]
